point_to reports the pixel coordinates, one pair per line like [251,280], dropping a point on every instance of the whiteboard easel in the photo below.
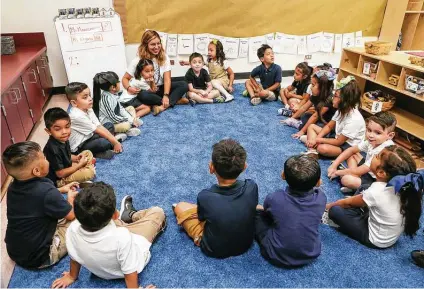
[90,46]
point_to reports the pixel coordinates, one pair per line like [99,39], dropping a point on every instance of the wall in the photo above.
[39,18]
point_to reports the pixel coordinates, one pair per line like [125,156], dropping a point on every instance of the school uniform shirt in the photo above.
[110,110]
[371,151]
[198,82]
[108,253]
[83,125]
[328,103]
[216,70]
[124,96]
[294,239]
[301,86]
[351,126]
[229,213]
[159,70]
[139,83]
[59,156]
[385,222]
[34,207]
[268,76]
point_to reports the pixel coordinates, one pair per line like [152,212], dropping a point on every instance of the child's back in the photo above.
[229,213]
[287,228]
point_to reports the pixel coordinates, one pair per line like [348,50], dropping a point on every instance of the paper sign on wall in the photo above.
[243,47]
[278,42]
[231,47]
[201,42]
[301,45]
[217,37]
[163,38]
[270,39]
[359,40]
[348,40]
[314,42]
[338,38]
[185,44]
[327,42]
[254,44]
[171,45]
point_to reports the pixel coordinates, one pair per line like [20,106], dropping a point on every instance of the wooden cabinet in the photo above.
[33,91]
[43,70]
[12,119]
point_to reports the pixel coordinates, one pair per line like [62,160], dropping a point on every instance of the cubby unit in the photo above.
[414,6]
[349,61]
[368,67]
[387,70]
[418,41]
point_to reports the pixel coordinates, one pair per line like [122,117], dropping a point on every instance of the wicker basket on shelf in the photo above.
[378,47]
[386,101]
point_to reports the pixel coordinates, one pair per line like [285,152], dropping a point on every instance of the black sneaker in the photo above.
[106,155]
[127,210]
[418,257]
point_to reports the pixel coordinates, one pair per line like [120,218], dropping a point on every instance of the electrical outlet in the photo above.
[172,62]
[308,57]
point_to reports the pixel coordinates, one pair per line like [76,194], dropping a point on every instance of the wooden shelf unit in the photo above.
[406,16]
[397,63]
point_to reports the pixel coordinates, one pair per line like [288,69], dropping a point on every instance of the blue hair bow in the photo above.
[416,179]
[330,75]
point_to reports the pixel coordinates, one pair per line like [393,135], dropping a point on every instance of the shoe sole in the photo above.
[133,132]
[121,211]
[255,101]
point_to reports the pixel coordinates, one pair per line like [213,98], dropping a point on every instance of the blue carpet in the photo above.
[169,163]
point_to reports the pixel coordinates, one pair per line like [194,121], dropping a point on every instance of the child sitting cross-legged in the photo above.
[199,83]
[222,222]
[109,243]
[391,206]
[65,167]
[38,215]
[87,133]
[270,75]
[379,134]
[287,224]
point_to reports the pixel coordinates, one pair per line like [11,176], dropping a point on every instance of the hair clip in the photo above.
[343,82]
[215,41]
[329,74]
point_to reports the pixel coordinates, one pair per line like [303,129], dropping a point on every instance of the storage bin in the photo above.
[378,47]
[7,45]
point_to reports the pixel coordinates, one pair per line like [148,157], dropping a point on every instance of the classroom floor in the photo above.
[168,163]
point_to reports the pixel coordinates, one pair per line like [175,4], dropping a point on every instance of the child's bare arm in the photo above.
[230,74]
[326,129]
[344,156]
[358,171]
[192,89]
[303,108]
[63,173]
[103,132]
[356,201]
[131,280]
[68,277]
[75,158]
[254,83]
[274,86]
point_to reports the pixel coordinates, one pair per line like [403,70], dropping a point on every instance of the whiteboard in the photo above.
[90,46]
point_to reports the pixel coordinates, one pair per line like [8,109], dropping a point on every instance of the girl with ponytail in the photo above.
[391,206]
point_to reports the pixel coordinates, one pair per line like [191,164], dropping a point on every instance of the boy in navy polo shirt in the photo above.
[270,75]
[287,224]
[38,215]
[222,223]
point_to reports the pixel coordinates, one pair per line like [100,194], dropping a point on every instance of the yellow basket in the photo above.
[367,102]
[378,47]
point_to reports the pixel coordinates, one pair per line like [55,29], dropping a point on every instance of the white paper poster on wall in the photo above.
[289,44]
[231,47]
[327,42]
[338,38]
[217,37]
[201,42]
[185,44]
[254,44]
[163,38]
[243,47]
[314,42]
[359,40]
[278,42]
[270,39]
[348,40]
[301,45]
[171,45]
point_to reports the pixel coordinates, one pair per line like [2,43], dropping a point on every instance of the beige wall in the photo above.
[37,16]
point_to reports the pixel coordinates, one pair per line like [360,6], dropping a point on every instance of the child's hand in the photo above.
[311,143]
[203,93]
[298,134]
[64,281]
[70,186]
[132,90]
[165,101]
[83,160]
[117,148]
[328,206]
[72,194]
[230,89]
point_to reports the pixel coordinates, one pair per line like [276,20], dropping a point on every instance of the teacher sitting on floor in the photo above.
[168,93]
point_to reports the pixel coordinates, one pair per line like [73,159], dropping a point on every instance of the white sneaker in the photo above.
[121,137]
[303,138]
[327,221]
[255,100]
[133,131]
[228,98]
[292,122]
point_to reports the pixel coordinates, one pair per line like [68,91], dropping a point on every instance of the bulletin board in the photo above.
[248,18]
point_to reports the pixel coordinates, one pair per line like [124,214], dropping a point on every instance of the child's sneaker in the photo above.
[219,99]
[127,210]
[121,137]
[228,98]
[340,166]
[106,155]
[285,112]
[192,102]
[304,138]
[133,131]
[327,221]
[311,153]
[346,190]
[255,100]
[245,93]
[292,122]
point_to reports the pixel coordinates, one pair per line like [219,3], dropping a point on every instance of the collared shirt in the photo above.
[83,125]
[268,76]
[199,82]
[59,156]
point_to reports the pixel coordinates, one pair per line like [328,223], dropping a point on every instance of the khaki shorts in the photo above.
[191,224]
[271,94]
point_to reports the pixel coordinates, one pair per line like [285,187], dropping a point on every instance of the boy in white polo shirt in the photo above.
[87,133]
[378,135]
[109,247]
